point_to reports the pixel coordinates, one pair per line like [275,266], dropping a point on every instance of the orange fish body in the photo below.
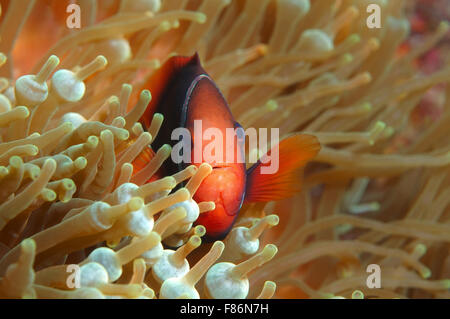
[185,94]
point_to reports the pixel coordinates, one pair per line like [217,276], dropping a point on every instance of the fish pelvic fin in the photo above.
[142,159]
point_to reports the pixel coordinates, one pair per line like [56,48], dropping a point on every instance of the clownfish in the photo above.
[183,92]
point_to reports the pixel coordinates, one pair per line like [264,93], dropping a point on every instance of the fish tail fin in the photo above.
[293,154]
[160,79]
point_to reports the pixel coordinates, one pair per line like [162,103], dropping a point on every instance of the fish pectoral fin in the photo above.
[278,174]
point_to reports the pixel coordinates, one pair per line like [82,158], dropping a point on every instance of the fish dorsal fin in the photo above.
[160,79]
[294,152]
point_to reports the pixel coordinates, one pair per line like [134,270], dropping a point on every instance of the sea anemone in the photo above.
[378,193]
